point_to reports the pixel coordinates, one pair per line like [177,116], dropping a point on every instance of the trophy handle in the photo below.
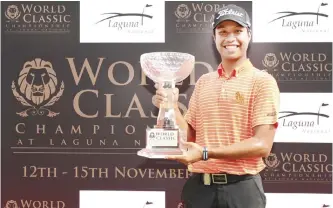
[169,86]
[166,116]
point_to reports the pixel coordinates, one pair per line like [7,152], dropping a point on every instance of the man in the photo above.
[230,123]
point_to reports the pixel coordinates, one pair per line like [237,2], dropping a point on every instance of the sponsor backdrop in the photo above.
[75,103]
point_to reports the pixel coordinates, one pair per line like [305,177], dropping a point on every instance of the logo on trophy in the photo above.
[166,69]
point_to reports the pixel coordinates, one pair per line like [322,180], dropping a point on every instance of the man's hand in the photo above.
[192,155]
[161,95]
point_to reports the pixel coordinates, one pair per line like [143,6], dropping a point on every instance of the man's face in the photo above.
[231,40]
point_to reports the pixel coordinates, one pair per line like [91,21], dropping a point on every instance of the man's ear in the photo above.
[249,32]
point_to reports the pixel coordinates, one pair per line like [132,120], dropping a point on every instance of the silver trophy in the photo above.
[166,69]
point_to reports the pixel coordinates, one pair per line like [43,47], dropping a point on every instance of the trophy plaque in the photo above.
[166,69]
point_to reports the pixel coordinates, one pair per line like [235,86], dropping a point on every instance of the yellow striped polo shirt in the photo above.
[224,110]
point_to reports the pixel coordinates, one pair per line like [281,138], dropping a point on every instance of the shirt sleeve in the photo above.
[190,115]
[267,102]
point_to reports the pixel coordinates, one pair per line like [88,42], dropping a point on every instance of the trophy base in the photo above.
[159,153]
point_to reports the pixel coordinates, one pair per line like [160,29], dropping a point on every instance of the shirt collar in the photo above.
[244,66]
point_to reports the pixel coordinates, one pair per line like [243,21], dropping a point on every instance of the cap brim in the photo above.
[231,19]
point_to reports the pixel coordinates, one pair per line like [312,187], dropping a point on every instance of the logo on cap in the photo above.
[229,11]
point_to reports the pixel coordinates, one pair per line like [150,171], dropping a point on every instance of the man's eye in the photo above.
[223,32]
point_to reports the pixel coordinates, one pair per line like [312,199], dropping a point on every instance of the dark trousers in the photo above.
[245,193]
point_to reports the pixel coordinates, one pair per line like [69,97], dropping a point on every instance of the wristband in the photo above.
[205,154]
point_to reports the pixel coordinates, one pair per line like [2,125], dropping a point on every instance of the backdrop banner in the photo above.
[74,114]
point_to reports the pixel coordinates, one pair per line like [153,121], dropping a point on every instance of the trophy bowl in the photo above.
[166,69]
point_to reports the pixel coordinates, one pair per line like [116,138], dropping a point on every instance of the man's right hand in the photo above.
[161,95]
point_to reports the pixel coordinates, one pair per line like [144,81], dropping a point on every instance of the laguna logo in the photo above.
[134,23]
[311,120]
[303,20]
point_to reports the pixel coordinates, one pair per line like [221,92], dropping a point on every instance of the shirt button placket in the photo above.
[223,94]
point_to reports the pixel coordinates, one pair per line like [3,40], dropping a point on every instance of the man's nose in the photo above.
[230,37]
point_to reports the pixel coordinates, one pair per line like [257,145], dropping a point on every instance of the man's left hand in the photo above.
[192,155]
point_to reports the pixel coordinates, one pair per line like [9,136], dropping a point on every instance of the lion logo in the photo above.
[182,11]
[270,60]
[272,161]
[12,12]
[151,135]
[11,204]
[37,85]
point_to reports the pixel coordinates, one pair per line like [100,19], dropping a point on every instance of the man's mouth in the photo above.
[231,46]
[38,93]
